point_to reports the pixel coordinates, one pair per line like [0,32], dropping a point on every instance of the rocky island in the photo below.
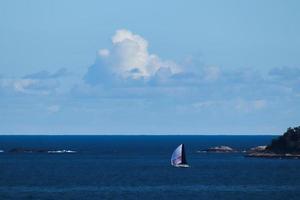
[35,150]
[218,149]
[285,146]
[27,150]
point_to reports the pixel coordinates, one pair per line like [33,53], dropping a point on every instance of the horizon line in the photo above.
[138,134]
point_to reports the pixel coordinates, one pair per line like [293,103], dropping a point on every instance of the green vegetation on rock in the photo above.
[289,142]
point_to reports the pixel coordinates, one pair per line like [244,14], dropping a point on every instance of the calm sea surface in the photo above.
[138,167]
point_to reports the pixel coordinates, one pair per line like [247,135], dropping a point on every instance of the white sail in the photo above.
[178,157]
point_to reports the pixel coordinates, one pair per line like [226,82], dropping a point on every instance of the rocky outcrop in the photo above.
[31,150]
[257,149]
[263,152]
[27,150]
[288,143]
[218,149]
[285,146]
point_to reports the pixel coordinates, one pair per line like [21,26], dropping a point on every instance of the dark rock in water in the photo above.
[219,149]
[257,149]
[285,146]
[28,150]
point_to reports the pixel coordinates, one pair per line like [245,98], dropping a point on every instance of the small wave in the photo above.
[62,151]
[1,151]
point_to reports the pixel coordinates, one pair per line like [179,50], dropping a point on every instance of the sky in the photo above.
[155,67]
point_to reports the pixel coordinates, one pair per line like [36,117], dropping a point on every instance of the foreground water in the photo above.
[138,167]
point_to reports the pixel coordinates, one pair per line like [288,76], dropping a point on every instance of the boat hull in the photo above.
[182,165]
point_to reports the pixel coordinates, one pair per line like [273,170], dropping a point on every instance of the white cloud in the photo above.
[38,83]
[18,85]
[129,57]
[21,85]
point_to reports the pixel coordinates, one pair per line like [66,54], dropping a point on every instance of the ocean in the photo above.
[138,167]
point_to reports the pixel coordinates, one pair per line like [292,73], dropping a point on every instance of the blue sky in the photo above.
[160,67]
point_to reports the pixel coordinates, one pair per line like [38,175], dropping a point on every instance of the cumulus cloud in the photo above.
[128,58]
[128,69]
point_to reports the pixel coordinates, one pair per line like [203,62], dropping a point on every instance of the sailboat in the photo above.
[178,158]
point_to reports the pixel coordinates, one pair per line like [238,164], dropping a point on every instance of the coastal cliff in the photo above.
[285,146]
[289,142]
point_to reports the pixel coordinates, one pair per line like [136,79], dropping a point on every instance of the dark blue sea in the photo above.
[138,167]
